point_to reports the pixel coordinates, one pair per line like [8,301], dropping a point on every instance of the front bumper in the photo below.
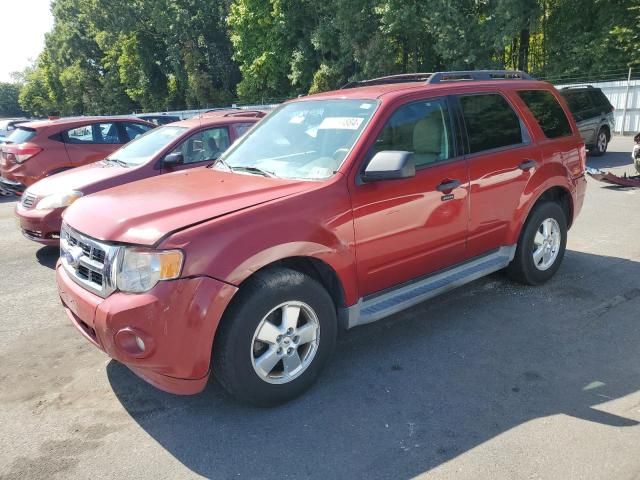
[42,226]
[176,320]
[11,186]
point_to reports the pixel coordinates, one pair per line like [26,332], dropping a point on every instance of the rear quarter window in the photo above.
[547,112]
[490,121]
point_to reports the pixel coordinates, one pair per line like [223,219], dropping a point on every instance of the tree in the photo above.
[9,106]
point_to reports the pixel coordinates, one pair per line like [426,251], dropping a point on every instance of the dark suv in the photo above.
[593,114]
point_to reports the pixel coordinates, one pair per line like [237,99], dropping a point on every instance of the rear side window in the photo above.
[600,100]
[547,111]
[422,128]
[21,135]
[579,104]
[490,121]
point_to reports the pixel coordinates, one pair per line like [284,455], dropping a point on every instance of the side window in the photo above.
[205,145]
[106,133]
[580,105]
[547,111]
[83,134]
[490,121]
[133,130]
[243,128]
[423,128]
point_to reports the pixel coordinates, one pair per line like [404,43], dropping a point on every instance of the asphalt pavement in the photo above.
[493,380]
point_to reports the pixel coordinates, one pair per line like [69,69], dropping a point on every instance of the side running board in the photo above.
[407,295]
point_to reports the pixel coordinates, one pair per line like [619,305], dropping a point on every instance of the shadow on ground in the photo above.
[611,160]
[407,394]
[48,256]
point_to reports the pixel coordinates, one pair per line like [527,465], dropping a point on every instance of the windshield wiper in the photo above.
[122,163]
[254,170]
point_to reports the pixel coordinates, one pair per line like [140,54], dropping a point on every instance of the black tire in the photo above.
[523,269]
[233,346]
[601,145]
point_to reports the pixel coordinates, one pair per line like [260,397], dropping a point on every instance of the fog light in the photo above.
[134,343]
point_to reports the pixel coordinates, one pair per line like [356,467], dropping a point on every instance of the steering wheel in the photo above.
[340,153]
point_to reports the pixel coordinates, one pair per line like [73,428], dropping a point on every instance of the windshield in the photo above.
[306,140]
[146,146]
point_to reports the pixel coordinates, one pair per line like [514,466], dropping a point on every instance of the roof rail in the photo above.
[402,78]
[577,86]
[477,75]
[246,113]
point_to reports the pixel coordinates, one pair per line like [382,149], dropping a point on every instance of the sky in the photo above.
[23,24]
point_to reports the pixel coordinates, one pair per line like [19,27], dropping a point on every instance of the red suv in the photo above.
[337,209]
[178,146]
[39,149]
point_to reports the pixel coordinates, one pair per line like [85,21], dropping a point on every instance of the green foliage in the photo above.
[115,56]
[9,106]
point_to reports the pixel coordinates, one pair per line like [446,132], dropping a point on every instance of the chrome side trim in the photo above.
[408,295]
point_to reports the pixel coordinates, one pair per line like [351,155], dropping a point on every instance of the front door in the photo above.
[408,228]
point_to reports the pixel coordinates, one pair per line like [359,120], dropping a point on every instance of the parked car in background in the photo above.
[338,208]
[170,148]
[593,114]
[7,125]
[39,149]
[160,119]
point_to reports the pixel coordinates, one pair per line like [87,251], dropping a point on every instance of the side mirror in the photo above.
[390,165]
[173,160]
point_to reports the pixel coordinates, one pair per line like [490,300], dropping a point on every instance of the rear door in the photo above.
[92,142]
[408,228]
[501,159]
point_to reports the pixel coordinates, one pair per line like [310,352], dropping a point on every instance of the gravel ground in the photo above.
[493,380]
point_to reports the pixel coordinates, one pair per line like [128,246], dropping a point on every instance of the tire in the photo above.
[256,314]
[536,270]
[602,143]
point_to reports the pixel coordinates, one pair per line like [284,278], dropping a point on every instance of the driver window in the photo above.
[423,128]
[204,146]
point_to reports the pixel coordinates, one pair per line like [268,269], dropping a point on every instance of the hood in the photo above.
[87,179]
[144,212]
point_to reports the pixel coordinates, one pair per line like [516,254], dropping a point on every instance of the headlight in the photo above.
[141,269]
[58,200]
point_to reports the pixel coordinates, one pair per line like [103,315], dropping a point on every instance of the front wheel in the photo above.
[276,337]
[541,246]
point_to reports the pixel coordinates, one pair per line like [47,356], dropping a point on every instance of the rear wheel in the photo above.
[602,142]
[541,246]
[275,338]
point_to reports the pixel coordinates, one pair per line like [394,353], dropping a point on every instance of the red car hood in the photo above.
[144,212]
[82,178]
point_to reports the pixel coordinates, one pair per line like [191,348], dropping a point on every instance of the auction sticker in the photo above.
[340,123]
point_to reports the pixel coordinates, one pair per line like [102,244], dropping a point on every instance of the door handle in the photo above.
[528,165]
[448,185]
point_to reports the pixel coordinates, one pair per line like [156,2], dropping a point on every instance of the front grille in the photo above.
[88,261]
[28,200]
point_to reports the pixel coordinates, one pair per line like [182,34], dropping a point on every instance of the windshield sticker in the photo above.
[298,119]
[366,106]
[340,123]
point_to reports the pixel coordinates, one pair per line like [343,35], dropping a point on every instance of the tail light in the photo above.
[20,153]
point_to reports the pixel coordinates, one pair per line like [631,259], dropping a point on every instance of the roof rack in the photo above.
[246,113]
[441,77]
[577,86]
[477,75]
[402,78]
